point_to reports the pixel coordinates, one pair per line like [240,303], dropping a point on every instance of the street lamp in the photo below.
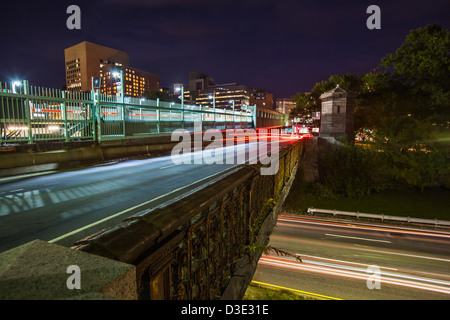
[122,95]
[234,124]
[16,84]
[213,97]
[116,74]
[181,89]
[178,89]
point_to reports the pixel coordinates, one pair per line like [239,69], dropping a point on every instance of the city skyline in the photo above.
[280,46]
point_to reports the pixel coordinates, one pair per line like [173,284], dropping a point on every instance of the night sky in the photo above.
[282,46]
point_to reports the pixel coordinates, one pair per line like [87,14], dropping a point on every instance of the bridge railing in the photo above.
[29,114]
[190,249]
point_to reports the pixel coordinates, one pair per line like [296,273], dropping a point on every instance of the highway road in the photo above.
[343,259]
[63,207]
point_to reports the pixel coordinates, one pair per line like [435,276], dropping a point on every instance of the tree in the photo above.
[422,63]
[305,105]
[408,101]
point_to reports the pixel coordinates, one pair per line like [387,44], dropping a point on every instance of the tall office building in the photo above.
[262,99]
[223,95]
[202,88]
[285,105]
[84,61]
[87,60]
[136,82]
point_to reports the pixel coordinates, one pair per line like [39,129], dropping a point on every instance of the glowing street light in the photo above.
[181,89]
[16,84]
[178,89]
[234,125]
[213,97]
[117,74]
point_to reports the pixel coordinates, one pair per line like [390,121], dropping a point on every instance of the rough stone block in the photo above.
[38,270]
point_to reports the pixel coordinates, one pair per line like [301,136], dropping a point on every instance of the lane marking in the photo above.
[23,176]
[172,165]
[135,207]
[105,164]
[356,238]
[295,290]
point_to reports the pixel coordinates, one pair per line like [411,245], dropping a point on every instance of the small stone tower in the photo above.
[336,114]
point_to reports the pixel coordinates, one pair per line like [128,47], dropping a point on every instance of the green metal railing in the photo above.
[29,114]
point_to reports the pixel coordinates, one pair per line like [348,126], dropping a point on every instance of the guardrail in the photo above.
[381,217]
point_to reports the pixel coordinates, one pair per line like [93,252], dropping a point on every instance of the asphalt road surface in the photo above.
[63,207]
[342,259]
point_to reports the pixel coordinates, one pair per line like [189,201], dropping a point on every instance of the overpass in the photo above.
[199,239]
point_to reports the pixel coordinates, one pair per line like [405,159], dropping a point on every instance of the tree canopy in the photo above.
[408,100]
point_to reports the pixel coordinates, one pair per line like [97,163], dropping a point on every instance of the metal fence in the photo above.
[382,217]
[29,114]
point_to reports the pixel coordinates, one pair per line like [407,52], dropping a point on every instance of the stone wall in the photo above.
[337,113]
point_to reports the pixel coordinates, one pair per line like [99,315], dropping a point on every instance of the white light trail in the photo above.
[387,277]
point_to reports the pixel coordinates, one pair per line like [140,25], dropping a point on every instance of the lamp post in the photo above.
[181,89]
[234,124]
[122,96]
[16,84]
[241,116]
[117,75]
[213,97]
